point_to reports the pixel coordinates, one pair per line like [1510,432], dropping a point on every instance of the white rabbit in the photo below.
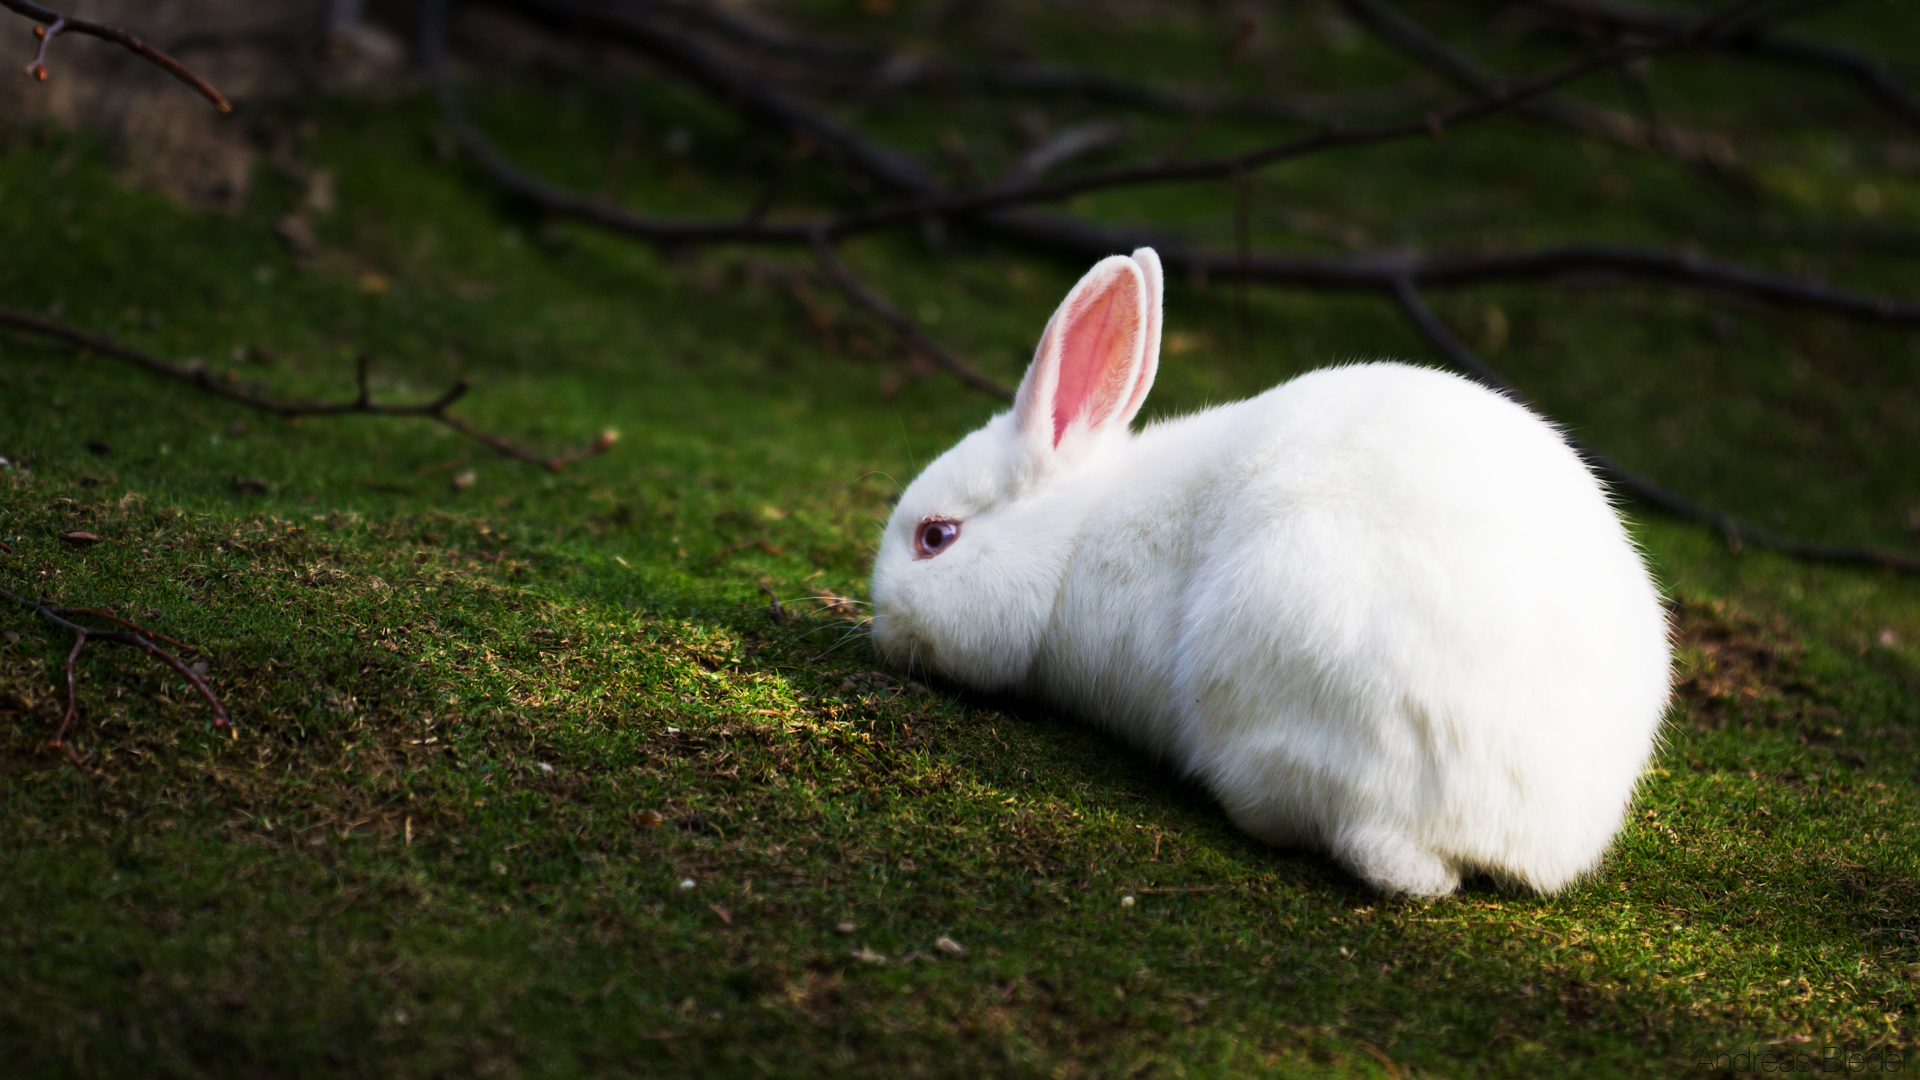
[1378,610]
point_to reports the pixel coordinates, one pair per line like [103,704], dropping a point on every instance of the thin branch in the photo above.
[1064,80]
[434,18]
[889,70]
[915,337]
[1376,271]
[134,637]
[1065,145]
[1753,40]
[778,612]
[1371,272]
[201,378]
[1500,99]
[54,24]
[507,448]
[107,614]
[1413,40]
[746,91]
[1739,534]
[778,44]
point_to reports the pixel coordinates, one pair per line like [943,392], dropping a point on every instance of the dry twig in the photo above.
[54,24]
[225,386]
[133,636]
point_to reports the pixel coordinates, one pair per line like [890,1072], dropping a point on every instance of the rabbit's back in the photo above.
[1404,623]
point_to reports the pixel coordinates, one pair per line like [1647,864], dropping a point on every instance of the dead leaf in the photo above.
[79,539]
[726,915]
[832,603]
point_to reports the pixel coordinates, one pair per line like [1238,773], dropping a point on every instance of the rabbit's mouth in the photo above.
[900,648]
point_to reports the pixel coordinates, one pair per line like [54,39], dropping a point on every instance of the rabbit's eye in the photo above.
[934,536]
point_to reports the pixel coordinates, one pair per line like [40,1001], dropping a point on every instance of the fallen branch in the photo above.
[225,386]
[1739,534]
[54,24]
[134,636]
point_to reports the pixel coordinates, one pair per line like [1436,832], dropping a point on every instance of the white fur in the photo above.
[1378,610]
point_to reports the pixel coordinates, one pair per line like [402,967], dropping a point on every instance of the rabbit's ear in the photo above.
[1087,374]
[1149,262]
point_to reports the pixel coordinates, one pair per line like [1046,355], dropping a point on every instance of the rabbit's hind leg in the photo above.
[1391,862]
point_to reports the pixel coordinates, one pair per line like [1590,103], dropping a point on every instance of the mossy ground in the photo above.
[489,729]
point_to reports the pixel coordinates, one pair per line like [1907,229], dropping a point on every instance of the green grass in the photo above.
[487,731]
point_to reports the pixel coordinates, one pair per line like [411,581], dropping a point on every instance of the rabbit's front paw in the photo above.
[1393,863]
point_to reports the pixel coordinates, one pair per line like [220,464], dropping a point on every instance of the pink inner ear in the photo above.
[1099,338]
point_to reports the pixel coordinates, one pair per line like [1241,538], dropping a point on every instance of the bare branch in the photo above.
[54,24]
[745,90]
[1372,272]
[915,337]
[780,44]
[507,448]
[201,378]
[134,637]
[1753,40]
[1377,271]
[886,70]
[1410,38]
[1739,534]
[434,16]
[1498,100]
[756,97]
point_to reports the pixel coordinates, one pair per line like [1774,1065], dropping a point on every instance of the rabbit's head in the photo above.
[974,554]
